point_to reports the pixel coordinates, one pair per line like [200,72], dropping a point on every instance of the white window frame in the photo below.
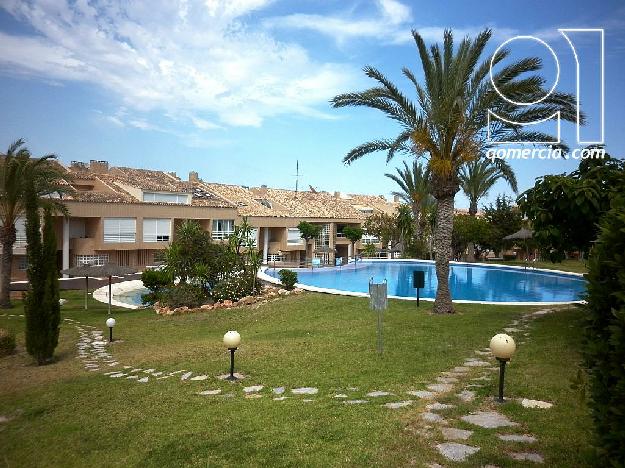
[222,228]
[165,197]
[293,236]
[97,259]
[119,230]
[156,229]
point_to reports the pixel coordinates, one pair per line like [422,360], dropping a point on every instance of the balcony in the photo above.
[221,235]
[82,244]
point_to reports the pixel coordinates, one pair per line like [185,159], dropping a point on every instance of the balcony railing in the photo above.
[219,235]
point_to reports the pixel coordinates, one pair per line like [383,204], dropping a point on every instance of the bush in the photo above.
[288,278]
[156,281]
[7,342]
[604,349]
[183,294]
[234,288]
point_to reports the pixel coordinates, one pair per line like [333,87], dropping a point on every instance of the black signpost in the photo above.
[418,281]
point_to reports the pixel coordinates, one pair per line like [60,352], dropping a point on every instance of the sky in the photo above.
[239,90]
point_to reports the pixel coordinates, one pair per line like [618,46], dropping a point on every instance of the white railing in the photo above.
[219,235]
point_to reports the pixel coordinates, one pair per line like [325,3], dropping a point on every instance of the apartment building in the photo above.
[125,216]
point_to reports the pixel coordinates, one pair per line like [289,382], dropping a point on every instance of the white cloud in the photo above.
[184,59]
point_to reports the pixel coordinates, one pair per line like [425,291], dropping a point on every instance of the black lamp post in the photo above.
[503,347]
[232,340]
[110,322]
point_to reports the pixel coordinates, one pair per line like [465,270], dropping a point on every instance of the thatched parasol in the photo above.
[522,234]
[98,271]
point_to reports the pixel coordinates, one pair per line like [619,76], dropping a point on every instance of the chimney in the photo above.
[194,177]
[99,167]
[396,198]
[260,191]
[337,194]
[78,166]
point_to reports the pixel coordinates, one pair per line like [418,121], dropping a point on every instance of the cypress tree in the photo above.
[50,305]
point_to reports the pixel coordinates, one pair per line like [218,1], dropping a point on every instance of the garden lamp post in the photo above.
[110,322]
[232,340]
[503,347]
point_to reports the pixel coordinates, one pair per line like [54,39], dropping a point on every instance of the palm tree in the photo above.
[477,177]
[448,122]
[17,166]
[414,183]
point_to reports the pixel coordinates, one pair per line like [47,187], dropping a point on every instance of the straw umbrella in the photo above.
[109,270]
[522,234]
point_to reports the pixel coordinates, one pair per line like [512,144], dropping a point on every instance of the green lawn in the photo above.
[64,415]
[574,266]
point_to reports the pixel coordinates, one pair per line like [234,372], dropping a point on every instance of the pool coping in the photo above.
[102,294]
[264,276]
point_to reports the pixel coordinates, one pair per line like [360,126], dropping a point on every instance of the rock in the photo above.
[253,388]
[440,388]
[278,390]
[488,419]
[378,393]
[143,380]
[466,395]
[199,377]
[456,452]
[247,300]
[227,303]
[438,406]
[282,398]
[210,392]
[206,306]
[422,394]
[432,417]
[451,433]
[298,291]
[535,404]
[305,391]
[517,438]
[528,456]
[355,402]
[398,404]
[186,375]
[446,379]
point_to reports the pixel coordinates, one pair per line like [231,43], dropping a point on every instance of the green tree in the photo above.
[478,177]
[447,123]
[354,234]
[188,249]
[468,232]
[384,227]
[604,348]
[308,231]
[565,209]
[414,183]
[504,218]
[16,166]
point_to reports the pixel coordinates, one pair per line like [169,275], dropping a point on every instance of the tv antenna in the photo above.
[297,175]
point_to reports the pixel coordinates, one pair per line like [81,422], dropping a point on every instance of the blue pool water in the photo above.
[132,297]
[467,282]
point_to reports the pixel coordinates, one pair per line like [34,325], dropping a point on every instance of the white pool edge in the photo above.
[264,276]
[102,294]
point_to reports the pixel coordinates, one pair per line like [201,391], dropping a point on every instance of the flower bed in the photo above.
[268,293]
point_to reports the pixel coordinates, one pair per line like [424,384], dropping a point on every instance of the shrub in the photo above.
[234,288]
[156,281]
[183,294]
[288,278]
[604,349]
[7,342]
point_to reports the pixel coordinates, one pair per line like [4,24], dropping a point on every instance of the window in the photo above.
[92,259]
[293,236]
[323,239]
[254,236]
[156,230]
[120,229]
[274,257]
[222,228]
[20,232]
[369,239]
[22,263]
[159,197]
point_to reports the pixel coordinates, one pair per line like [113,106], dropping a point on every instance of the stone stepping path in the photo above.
[456,452]
[526,439]
[488,420]
[451,433]
[528,456]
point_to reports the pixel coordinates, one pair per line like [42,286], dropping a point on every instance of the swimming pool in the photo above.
[468,282]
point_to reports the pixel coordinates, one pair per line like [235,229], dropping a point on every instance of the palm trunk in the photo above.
[471,247]
[7,239]
[442,243]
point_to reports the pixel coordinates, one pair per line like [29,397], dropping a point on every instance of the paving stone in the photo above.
[528,456]
[164,377]
[446,379]
[340,395]
[253,395]
[476,363]
[210,392]
[143,380]
[398,404]
[253,389]
[305,391]
[440,388]
[307,400]
[278,390]
[456,452]
[466,395]
[483,353]
[422,394]
[511,330]
[526,403]
[177,372]
[282,398]
[118,375]
[378,393]
[438,406]
[517,438]
[355,402]
[132,377]
[236,374]
[488,419]
[451,433]
[461,369]
[149,371]
[157,374]
[432,417]
[199,377]
[186,375]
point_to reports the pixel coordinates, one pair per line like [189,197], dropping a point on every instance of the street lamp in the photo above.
[110,322]
[503,347]
[232,340]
